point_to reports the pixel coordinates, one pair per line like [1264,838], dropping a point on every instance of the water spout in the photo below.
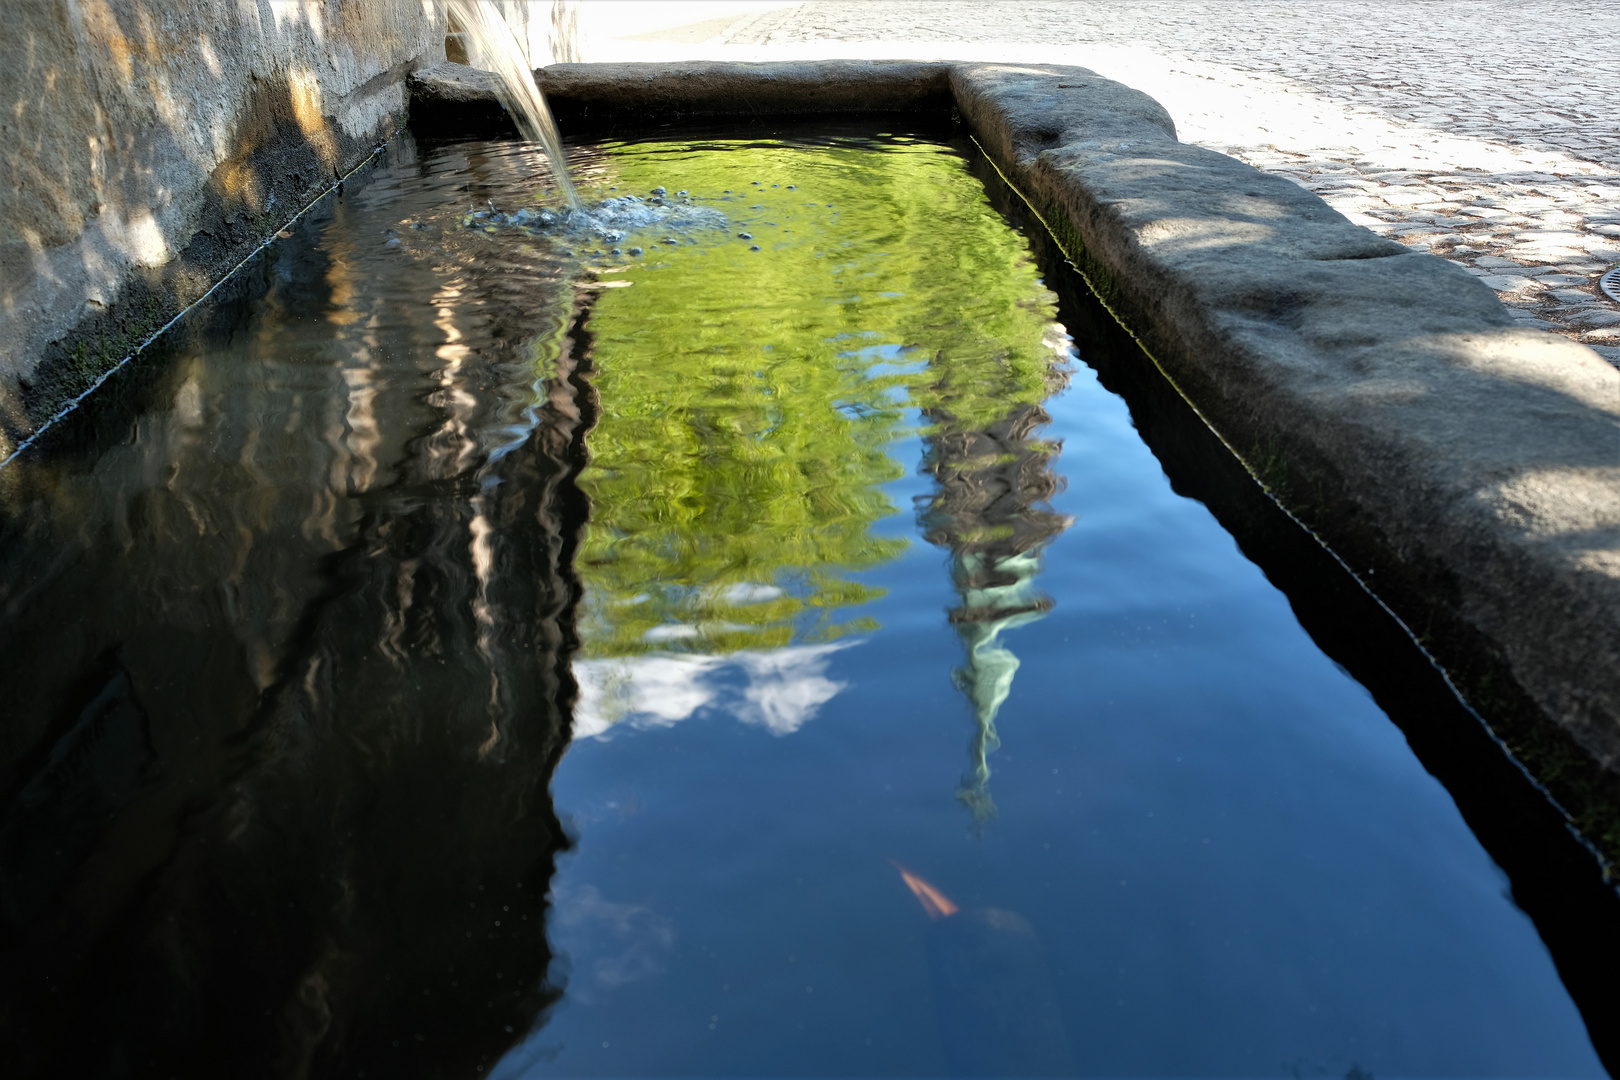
[496,47]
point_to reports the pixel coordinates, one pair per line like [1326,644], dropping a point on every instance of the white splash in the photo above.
[610,221]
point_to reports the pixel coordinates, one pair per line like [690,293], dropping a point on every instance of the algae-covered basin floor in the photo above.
[744,639]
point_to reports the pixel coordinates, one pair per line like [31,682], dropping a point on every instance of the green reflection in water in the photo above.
[749,397]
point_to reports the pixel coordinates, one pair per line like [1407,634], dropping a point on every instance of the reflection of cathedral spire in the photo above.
[987,676]
[987,511]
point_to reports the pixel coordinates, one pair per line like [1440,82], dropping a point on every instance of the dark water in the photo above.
[457,653]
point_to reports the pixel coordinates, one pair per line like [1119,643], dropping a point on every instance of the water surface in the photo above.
[470,649]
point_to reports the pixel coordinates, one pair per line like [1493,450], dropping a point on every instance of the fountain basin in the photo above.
[1465,470]
[561,494]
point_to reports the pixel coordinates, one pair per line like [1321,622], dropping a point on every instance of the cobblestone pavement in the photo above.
[1486,131]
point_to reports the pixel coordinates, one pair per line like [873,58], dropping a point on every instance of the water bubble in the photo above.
[776,185]
[683,191]
[615,251]
[635,251]
[754,248]
[726,192]
[660,192]
[756,206]
[793,187]
[745,236]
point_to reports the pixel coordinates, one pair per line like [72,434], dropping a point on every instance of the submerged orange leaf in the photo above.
[934,902]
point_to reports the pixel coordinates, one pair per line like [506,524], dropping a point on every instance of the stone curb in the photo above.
[1468,469]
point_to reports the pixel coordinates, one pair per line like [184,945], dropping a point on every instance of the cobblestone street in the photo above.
[1486,131]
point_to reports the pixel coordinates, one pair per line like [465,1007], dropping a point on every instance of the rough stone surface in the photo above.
[451,99]
[151,144]
[453,84]
[1467,466]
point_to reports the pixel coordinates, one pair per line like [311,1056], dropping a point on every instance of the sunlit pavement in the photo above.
[1485,131]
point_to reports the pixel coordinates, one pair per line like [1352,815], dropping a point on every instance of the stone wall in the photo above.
[151,144]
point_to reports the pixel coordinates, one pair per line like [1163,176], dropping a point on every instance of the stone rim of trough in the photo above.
[1465,470]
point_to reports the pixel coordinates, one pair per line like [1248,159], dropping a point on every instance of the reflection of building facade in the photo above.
[991,512]
[295,823]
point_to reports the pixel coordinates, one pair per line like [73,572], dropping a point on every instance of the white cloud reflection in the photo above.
[780,690]
[606,944]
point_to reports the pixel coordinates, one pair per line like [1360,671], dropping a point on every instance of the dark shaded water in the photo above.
[915,722]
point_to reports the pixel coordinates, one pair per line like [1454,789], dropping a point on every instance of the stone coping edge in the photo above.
[1466,470]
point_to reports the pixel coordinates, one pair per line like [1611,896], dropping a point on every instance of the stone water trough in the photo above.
[1466,471]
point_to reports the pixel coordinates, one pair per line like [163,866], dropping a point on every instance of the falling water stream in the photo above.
[495,44]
